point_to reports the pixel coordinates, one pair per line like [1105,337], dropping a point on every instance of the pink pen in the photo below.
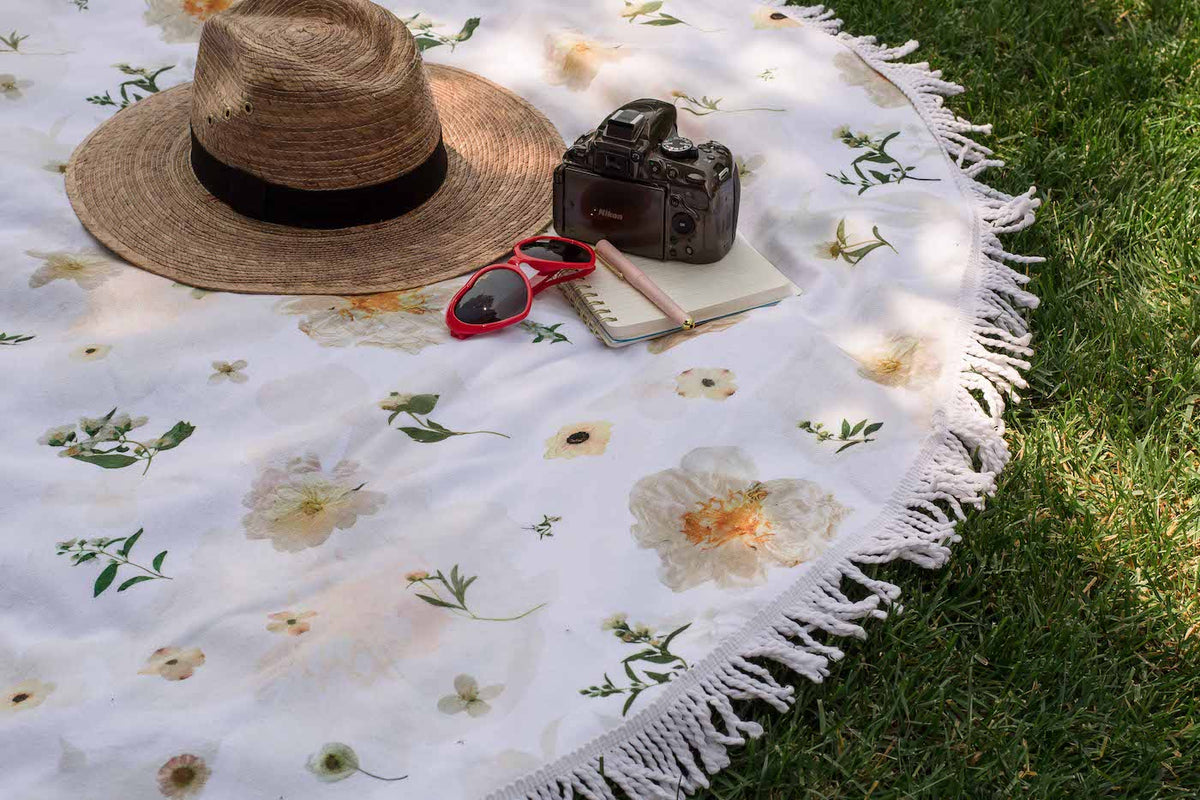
[616,260]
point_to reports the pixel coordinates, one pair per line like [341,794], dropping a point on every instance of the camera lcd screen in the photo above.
[630,215]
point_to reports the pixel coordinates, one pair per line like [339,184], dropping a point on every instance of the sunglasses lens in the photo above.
[498,295]
[547,249]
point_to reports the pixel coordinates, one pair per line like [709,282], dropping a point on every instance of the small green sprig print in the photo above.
[427,38]
[108,444]
[81,551]
[852,252]
[455,585]
[654,649]
[426,430]
[545,333]
[12,42]
[889,169]
[545,528]
[858,433]
[14,339]
[767,74]
[141,79]
[706,105]
[82,5]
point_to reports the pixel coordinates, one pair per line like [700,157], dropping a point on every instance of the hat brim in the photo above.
[131,184]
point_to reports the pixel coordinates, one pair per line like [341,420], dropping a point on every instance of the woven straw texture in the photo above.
[330,100]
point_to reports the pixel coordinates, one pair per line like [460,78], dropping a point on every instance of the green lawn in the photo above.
[1057,655]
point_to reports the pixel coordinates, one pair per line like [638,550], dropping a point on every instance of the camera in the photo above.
[637,183]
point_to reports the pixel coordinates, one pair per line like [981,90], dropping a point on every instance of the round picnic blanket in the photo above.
[307,547]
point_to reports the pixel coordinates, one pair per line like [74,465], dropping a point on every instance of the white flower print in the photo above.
[409,320]
[297,506]
[713,519]
[901,361]
[11,86]
[574,61]
[181,20]
[469,697]
[226,371]
[88,268]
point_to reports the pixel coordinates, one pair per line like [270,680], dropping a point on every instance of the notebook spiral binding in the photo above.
[588,297]
[589,311]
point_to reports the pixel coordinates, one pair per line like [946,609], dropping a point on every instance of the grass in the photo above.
[1057,655]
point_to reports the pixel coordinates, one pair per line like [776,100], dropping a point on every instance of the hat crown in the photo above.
[313,94]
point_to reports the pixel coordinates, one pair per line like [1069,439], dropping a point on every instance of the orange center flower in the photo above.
[203,9]
[736,517]
[371,304]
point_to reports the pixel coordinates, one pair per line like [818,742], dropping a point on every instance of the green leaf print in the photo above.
[456,585]
[656,650]
[428,432]
[81,551]
[14,339]
[141,79]
[709,105]
[544,529]
[12,42]
[426,38]
[108,444]
[858,433]
[876,153]
[544,333]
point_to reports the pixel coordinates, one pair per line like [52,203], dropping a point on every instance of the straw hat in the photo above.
[352,166]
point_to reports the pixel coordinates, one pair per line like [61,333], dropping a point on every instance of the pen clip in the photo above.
[610,267]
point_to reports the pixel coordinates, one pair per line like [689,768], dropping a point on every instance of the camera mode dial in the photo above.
[678,147]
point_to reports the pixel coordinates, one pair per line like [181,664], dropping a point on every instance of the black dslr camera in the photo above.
[635,182]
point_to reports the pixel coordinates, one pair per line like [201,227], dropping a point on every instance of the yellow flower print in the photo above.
[770,17]
[90,352]
[714,384]
[856,72]
[24,696]
[173,663]
[665,343]
[574,61]
[579,439]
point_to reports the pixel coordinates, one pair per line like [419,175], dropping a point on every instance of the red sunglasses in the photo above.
[500,295]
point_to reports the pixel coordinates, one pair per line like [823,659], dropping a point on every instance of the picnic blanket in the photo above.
[304,547]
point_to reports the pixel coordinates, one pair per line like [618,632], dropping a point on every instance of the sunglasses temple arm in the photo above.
[547,282]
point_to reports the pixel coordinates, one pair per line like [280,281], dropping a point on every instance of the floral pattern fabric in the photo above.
[367,552]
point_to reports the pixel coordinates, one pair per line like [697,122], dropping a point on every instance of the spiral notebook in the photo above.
[619,315]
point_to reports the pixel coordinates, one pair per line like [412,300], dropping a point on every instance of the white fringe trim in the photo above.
[694,723]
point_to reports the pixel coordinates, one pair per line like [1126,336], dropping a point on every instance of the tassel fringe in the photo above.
[671,755]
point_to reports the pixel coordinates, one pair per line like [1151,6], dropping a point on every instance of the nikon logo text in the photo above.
[604,212]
